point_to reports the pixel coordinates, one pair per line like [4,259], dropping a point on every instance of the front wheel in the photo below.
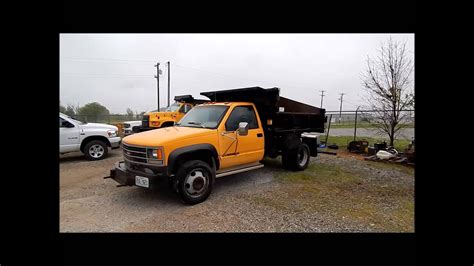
[96,150]
[196,179]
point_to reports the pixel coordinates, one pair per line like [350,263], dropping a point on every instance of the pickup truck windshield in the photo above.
[80,122]
[203,116]
[173,108]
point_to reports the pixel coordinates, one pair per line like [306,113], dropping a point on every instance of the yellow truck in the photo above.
[172,114]
[229,135]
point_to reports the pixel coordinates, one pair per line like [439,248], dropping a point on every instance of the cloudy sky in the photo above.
[117,70]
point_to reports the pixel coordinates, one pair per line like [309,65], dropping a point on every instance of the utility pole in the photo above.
[157,76]
[340,108]
[168,83]
[322,96]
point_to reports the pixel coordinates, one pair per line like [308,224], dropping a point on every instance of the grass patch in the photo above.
[318,172]
[346,196]
[404,217]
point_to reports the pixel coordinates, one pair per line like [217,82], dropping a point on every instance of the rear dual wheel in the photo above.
[296,159]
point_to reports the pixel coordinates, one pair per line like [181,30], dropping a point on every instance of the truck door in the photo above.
[235,149]
[68,136]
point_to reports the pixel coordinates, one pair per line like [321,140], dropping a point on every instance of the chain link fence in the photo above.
[362,124]
[108,119]
[367,118]
[353,123]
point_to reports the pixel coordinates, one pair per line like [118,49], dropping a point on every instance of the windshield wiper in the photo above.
[196,123]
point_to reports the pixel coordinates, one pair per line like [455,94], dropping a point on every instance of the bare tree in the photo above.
[70,110]
[389,83]
[129,114]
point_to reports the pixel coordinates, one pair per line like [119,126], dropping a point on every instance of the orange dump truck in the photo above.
[229,135]
[172,114]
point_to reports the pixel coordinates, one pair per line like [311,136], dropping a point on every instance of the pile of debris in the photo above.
[393,159]
[389,154]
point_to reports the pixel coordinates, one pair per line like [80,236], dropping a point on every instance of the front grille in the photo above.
[134,148]
[145,121]
[134,153]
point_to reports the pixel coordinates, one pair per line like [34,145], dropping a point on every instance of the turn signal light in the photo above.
[159,154]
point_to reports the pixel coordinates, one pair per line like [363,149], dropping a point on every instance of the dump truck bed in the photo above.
[189,99]
[277,113]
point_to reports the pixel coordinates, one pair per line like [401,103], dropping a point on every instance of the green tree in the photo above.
[93,111]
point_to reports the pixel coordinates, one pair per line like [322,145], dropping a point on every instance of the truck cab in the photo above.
[212,140]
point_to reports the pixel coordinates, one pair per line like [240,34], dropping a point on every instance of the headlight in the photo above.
[155,155]
[112,133]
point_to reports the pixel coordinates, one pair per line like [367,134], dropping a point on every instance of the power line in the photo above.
[102,75]
[149,61]
[105,60]
[178,65]
[240,78]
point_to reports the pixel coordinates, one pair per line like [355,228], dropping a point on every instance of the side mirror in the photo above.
[67,124]
[243,129]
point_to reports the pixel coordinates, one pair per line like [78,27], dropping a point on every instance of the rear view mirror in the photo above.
[243,129]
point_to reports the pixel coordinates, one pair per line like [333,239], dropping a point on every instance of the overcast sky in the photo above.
[117,70]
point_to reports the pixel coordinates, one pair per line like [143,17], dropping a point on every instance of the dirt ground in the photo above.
[335,194]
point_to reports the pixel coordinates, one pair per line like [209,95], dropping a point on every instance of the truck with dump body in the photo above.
[229,134]
[172,114]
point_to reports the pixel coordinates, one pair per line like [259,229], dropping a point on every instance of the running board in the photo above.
[239,169]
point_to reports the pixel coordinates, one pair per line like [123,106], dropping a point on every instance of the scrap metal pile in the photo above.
[389,154]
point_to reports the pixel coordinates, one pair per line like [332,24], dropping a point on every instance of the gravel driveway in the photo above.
[270,199]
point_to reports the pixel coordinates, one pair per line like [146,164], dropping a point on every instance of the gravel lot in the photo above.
[335,194]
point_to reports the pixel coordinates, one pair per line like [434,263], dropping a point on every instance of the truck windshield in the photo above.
[80,122]
[203,116]
[173,108]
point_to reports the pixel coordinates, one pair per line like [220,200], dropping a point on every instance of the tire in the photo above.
[96,150]
[195,181]
[297,159]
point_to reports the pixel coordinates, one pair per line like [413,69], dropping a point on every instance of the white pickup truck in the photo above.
[130,127]
[92,139]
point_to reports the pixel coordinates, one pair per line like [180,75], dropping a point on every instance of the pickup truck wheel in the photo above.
[196,179]
[96,150]
[297,159]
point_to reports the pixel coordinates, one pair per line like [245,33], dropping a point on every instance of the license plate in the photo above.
[141,181]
